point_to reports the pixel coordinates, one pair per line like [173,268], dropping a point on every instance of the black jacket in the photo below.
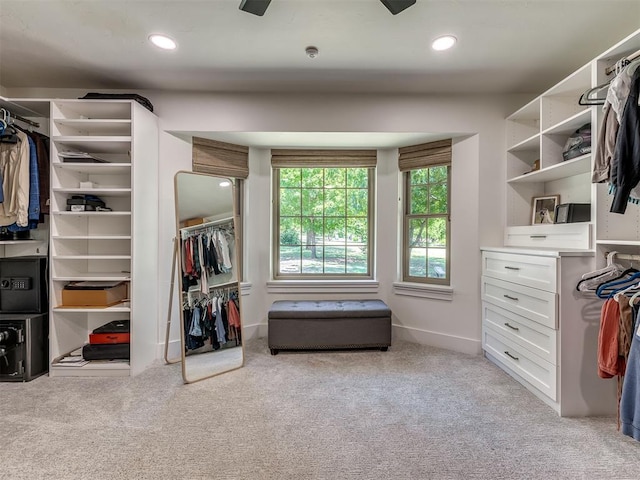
[627,153]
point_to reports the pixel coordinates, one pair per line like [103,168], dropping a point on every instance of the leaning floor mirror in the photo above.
[206,248]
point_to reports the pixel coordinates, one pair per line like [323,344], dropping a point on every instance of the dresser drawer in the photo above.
[567,235]
[536,338]
[537,305]
[530,270]
[536,371]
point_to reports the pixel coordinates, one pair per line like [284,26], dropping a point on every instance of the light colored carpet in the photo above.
[413,412]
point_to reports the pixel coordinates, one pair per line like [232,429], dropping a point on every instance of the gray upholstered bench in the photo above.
[329,324]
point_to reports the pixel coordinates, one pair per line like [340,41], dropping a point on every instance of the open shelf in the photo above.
[93,368]
[93,276]
[569,168]
[95,168]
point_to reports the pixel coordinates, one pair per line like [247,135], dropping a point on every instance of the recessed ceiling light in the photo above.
[162,41]
[225,183]
[444,43]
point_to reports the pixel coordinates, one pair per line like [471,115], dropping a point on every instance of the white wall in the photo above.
[477,198]
[477,186]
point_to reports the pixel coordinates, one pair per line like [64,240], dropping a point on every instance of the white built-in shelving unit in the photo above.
[116,245]
[535,325]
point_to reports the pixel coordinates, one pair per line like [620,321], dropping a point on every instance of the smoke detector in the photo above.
[312,52]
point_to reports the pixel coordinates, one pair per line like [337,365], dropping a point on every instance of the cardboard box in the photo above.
[193,221]
[93,294]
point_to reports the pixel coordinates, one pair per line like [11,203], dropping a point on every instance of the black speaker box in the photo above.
[257,7]
[23,285]
[396,6]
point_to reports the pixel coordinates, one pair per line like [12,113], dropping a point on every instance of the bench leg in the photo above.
[274,351]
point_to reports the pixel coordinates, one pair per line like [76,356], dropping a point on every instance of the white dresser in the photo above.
[541,331]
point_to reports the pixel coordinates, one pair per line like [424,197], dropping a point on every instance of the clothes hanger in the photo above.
[9,134]
[587,97]
[620,283]
[633,298]
[595,278]
[610,265]
[616,295]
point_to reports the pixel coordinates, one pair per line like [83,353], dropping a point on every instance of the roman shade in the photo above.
[220,158]
[284,158]
[425,155]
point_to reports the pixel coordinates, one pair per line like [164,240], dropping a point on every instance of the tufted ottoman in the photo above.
[328,324]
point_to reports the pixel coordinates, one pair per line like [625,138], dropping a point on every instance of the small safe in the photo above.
[23,284]
[23,346]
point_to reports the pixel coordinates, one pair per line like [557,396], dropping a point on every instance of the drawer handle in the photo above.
[506,324]
[512,268]
[510,356]
[537,236]
[510,297]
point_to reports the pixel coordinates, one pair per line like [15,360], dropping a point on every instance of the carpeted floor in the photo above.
[413,412]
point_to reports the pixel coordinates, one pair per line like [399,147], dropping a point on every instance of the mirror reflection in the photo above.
[210,326]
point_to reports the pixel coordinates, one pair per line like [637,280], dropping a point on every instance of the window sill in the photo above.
[322,286]
[437,292]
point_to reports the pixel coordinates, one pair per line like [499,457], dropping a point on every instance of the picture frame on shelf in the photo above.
[543,209]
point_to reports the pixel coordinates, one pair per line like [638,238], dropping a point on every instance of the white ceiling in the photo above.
[505,46]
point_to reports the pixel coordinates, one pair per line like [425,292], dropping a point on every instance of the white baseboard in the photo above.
[174,350]
[257,330]
[408,334]
[435,339]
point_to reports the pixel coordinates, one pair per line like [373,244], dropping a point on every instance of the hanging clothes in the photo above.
[14,168]
[33,211]
[616,155]
[630,398]
[610,363]
[627,153]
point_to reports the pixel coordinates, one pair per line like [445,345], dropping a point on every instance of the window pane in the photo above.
[437,232]
[290,259]
[437,262]
[426,241]
[334,261]
[357,259]
[335,231]
[312,231]
[417,262]
[418,200]
[290,177]
[312,202]
[419,177]
[357,231]
[438,198]
[289,202]
[312,177]
[312,259]
[437,174]
[289,231]
[334,202]
[357,177]
[324,221]
[418,232]
[335,177]
[357,203]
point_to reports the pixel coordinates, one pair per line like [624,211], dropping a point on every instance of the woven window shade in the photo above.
[281,158]
[425,155]
[220,158]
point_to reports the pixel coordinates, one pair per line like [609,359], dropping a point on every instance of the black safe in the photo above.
[24,346]
[23,284]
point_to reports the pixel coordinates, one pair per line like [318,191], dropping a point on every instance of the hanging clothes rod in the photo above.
[10,115]
[625,256]
[628,58]
[195,229]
